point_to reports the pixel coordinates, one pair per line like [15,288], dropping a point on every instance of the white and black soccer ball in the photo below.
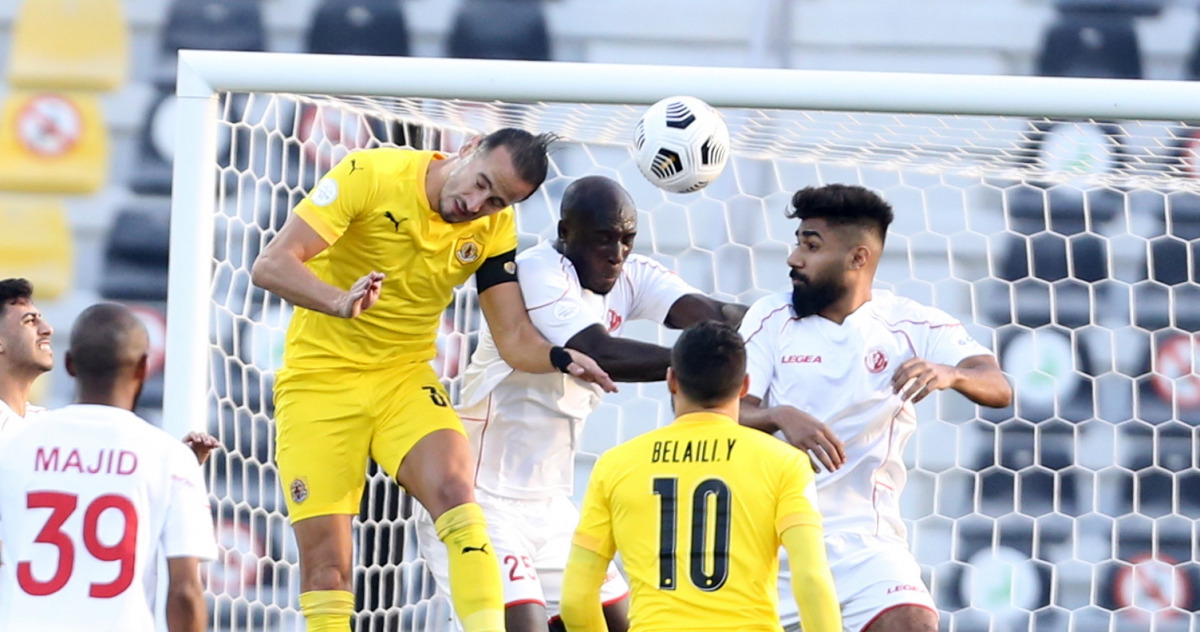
[682,144]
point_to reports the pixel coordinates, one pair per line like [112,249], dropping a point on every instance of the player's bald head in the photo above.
[107,341]
[595,197]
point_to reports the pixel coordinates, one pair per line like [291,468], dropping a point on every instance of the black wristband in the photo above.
[560,359]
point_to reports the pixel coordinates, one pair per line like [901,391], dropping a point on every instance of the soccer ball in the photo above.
[682,144]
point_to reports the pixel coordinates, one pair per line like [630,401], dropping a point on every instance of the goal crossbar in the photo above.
[203,75]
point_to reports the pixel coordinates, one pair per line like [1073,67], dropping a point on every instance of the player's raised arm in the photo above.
[280,269]
[523,348]
[186,609]
[693,308]
[977,377]
[628,360]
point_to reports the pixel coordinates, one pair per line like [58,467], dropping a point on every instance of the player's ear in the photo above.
[672,385]
[470,146]
[859,256]
[142,370]
[745,386]
[69,362]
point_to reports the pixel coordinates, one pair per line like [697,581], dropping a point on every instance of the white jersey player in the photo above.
[93,496]
[580,291]
[837,367]
[11,422]
[25,353]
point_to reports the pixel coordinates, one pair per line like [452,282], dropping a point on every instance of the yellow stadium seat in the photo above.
[53,143]
[36,243]
[69,45]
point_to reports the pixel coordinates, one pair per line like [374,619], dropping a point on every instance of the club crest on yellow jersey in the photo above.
[466,250]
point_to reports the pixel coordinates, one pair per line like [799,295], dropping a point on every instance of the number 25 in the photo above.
[61,506]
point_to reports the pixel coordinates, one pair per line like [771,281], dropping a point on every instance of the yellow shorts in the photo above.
[328,422]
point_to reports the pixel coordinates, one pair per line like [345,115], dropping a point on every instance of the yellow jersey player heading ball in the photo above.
[371,259]
[698,510]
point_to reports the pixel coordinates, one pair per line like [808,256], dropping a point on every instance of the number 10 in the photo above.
[666,489]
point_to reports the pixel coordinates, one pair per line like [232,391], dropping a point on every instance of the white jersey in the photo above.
[90,498]
[842,374]
[524,428]
[11,422]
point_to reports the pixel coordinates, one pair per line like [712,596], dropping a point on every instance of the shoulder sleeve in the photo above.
[595,532]
[797,495]
[339,196]
[760,344]
[655,288]
[946,340]
[188,530]
[503,237]
[553,296]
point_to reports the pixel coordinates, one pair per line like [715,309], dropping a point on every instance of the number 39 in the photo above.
[61,506]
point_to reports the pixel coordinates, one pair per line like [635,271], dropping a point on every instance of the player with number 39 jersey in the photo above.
[91,497]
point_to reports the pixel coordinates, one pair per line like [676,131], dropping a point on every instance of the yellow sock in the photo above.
[327,610]
[474,571]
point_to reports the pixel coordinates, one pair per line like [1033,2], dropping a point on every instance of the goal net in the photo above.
[1057,219]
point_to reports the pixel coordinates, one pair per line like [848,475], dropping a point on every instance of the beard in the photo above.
[812,297]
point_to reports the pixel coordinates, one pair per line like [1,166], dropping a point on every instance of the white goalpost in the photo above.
[1059,219]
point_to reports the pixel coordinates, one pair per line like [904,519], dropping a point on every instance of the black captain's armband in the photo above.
[496,270]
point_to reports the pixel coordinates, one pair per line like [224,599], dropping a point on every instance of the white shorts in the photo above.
[871,576]
[532,539]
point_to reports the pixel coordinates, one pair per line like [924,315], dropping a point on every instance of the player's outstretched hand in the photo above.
[808,433]
[918,377]
[361,296]
[201,444]
[585,368]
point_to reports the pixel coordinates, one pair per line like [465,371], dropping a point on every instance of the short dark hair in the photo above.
[843,204]
[13,290]
[529,152]
[709,363]
[103,342]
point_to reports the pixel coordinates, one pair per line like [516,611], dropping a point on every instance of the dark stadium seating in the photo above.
[135,255]
[358,27]
[151,174]
[475,34]
[1084,43]
[209,25]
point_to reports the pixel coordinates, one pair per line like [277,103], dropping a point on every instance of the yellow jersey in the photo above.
[372,210]
[696,510]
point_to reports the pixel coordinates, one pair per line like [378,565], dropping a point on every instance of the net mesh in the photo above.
[1067,246]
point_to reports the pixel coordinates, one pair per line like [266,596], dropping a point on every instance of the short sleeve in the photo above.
[594,531]
[339,196]
[755,332]
[554,298]
[503,237]
[188,531]
[655,289]
[797,495]
[948,341]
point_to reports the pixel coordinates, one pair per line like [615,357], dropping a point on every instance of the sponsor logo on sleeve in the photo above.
[325,193]
[564,310]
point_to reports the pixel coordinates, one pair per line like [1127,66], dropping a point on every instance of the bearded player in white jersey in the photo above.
[836,367]
[25,353]
[92,496]
[581,289]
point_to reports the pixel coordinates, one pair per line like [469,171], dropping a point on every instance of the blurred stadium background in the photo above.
[85,184]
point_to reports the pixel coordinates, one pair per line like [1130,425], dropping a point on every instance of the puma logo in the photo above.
[395,222]
[354,167]
[481,549]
